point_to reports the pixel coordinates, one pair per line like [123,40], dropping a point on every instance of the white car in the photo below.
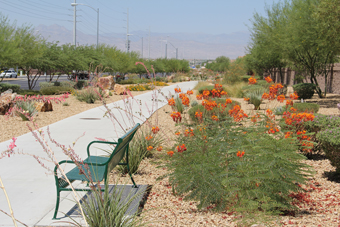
[9,74]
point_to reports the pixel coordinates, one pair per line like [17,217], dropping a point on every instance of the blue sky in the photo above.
[211,17]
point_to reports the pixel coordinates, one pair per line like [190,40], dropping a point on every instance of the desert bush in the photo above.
[28,92]
[128,81]
[80,84]
[25,109]
[71,84]
[139,87]
[45,84]
[193,103]
[205,88]
[330,144]
[5,86]
[139,148]
[228,165]
[88,95]
[235,90]
[55,90]
[307,107]
[255,97]
[304,90]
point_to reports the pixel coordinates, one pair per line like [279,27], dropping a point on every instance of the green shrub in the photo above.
[5,86]
[71,84]
[55,90]
[66,104]
[57,83]
[80,84]
[29,92]
[307,107]
[193,103]
[128,81]
[139,149]
[330,144]
[255,97]
[218,111]
[45,84]
[305,90]
[179,105]
[211,171]
[88,95]
[25,109]
[205,88]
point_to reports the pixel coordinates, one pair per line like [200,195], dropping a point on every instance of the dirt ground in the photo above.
[162,208]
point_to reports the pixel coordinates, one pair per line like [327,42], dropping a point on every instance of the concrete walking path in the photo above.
[31,190]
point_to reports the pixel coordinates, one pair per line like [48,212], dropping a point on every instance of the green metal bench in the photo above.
[98,166]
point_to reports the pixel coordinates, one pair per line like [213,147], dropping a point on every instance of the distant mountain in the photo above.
[190,45]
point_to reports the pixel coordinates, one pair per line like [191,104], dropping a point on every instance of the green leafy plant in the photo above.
[25,109]
[88,95]
[228,165]
[139,149]
[55,90]
[5,86]
[307,107]
[330,144]
[304,90]
[179,105]
[255,97]
[112,210]
[66,104]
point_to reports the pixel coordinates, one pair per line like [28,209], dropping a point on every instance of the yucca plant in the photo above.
[255,97]
[25,109]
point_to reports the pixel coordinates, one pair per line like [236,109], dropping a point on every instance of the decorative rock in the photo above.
[9,91]
[119,89]
[106,83]
[6,102]
[43,106]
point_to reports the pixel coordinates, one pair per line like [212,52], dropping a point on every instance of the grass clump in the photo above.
[89,95]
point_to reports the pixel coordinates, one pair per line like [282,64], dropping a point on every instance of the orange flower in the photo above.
[199,97]
[218,87]
[281,98]
[206,93]
[246,99]
[240,154]
[228,101]
[185,101]
[288,134]
[209,105]
[265,96]
[199,115]
[289,103]
[190,92]
[294,96]
[155,129]
[148,138]
[223,93]
[293,109]
[150,148]
[177,90]
[171,102]
[188,132]
[237,113]
[268,79]
[181,148]
[252,80]
[160,148]
[178,133]
[176,116]
[214,118]
[170,153]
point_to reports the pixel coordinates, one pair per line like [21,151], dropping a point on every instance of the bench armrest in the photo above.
[72,162]
[104,142]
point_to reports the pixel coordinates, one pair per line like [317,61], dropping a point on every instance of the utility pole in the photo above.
[149,43]
[142,47]
[74,24]
[127,33]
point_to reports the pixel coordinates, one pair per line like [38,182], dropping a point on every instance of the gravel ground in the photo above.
[319,206]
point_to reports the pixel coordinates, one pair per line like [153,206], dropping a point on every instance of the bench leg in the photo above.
[57,205]
[134,184]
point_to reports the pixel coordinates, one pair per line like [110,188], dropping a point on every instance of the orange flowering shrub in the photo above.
[199,115]
[209,105]
[199,97]
[240,154]
[148,137]
[185,101]
[170,153]
[150,148]
[237,113]
[252,80]
[214,118]
[281,98]
[155,129]
[189,132]
[181,148]
[178,90]
[268,79]
[176,117]
[190,92]
[160,148]
[171,102]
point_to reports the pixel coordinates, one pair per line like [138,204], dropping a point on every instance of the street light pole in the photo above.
[74,26]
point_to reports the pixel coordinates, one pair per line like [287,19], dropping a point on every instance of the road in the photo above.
[22,81]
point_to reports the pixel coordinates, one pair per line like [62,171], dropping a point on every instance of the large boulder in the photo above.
[106,83]
[43,106]
[119,89]
[6,102]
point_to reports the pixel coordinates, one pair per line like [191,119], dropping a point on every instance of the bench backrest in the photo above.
[121,148]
